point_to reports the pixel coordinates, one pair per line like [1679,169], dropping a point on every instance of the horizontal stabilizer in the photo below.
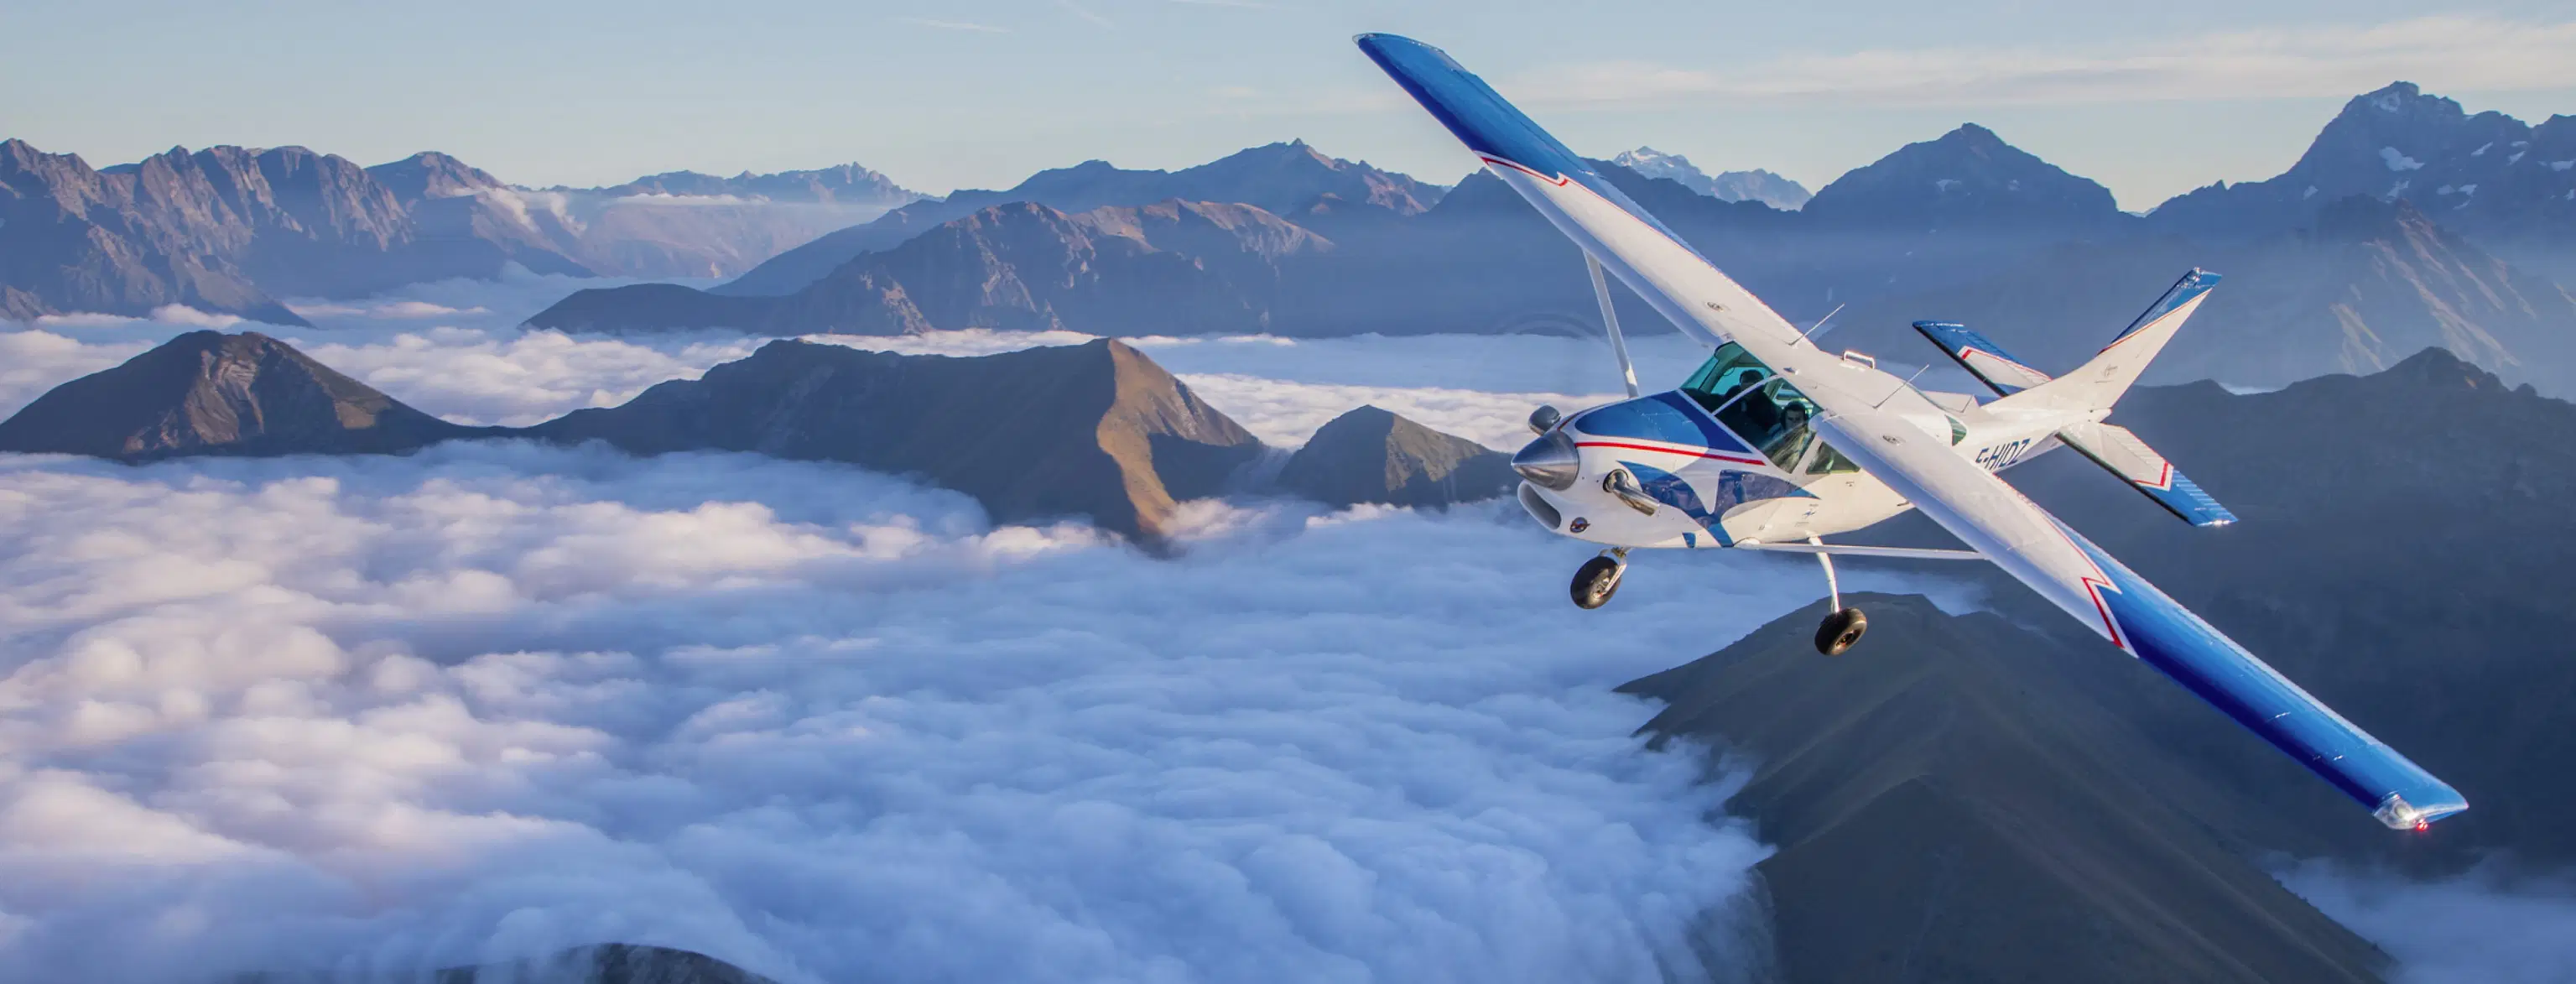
[1982,357]
[2117,449]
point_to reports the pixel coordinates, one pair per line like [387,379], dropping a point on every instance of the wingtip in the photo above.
[2398,814]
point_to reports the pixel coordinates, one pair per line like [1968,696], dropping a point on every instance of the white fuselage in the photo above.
[1726,501]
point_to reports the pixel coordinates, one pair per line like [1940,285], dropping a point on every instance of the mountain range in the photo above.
[1965,227]
[230,230]
[1288,179]
[2487,174]
[1096,430]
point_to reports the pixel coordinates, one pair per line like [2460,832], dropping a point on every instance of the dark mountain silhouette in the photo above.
[2400,554]
[2005,797]
[1373,455]
[1279,178]
[607,963]
[1093,430]
[207,392]
[1955,800]
[2368,284]
[1177,267]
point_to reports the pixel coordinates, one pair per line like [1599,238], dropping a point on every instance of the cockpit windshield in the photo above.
[1730,371]
[1756,404]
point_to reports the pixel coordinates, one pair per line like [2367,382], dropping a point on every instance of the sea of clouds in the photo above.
[365,716]
[370,715]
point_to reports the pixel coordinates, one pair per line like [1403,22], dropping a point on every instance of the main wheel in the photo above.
[1595,582]
[1840,631]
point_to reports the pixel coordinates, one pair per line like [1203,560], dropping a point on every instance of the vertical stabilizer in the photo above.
[2097,384]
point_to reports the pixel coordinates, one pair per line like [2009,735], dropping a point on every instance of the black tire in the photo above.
[1841,630]
[1595,582]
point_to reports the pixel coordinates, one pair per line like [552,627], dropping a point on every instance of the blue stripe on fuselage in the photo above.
[1486,122]
[2178,643]
[1668,416]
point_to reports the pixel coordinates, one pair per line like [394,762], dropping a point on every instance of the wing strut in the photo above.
[1610,321]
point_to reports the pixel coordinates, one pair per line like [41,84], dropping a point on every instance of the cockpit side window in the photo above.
[1829,461]
[1729,372]
[1774,417]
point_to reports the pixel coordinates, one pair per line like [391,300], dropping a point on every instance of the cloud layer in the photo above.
[2479,928]
[382,713]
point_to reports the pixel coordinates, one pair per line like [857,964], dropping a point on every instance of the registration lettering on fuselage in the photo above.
[2001,455]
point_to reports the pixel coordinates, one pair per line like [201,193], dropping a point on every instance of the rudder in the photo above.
[2098,383]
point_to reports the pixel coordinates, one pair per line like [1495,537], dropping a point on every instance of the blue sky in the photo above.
[2150,100]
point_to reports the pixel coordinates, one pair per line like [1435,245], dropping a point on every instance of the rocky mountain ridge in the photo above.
[1197,267]
[1096,430]
[1281,178]
[229,230]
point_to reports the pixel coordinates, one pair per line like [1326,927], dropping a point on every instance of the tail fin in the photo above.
[2097,384]
[2087,393]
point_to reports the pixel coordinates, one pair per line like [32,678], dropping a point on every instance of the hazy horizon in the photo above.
[585,95]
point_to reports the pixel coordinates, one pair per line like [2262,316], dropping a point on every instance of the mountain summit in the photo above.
[1732,186]
[2485,173]
[206,392]
[1968,178]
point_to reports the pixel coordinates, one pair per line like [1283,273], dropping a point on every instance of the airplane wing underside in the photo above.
[1974,505]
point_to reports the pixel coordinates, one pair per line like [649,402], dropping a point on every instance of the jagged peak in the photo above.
[1974,135]
[2399,99]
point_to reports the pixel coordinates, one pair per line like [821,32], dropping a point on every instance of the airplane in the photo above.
[1776,443]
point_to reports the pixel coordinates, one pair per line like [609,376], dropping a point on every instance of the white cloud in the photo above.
[374,714]
[2445,53]
[2478,928]
[395,309]
[181,314]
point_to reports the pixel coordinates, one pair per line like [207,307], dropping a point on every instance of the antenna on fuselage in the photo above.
[1819,327]
[1610,323]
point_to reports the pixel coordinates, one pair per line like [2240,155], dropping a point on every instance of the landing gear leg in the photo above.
[1598,578]
[1846,625]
